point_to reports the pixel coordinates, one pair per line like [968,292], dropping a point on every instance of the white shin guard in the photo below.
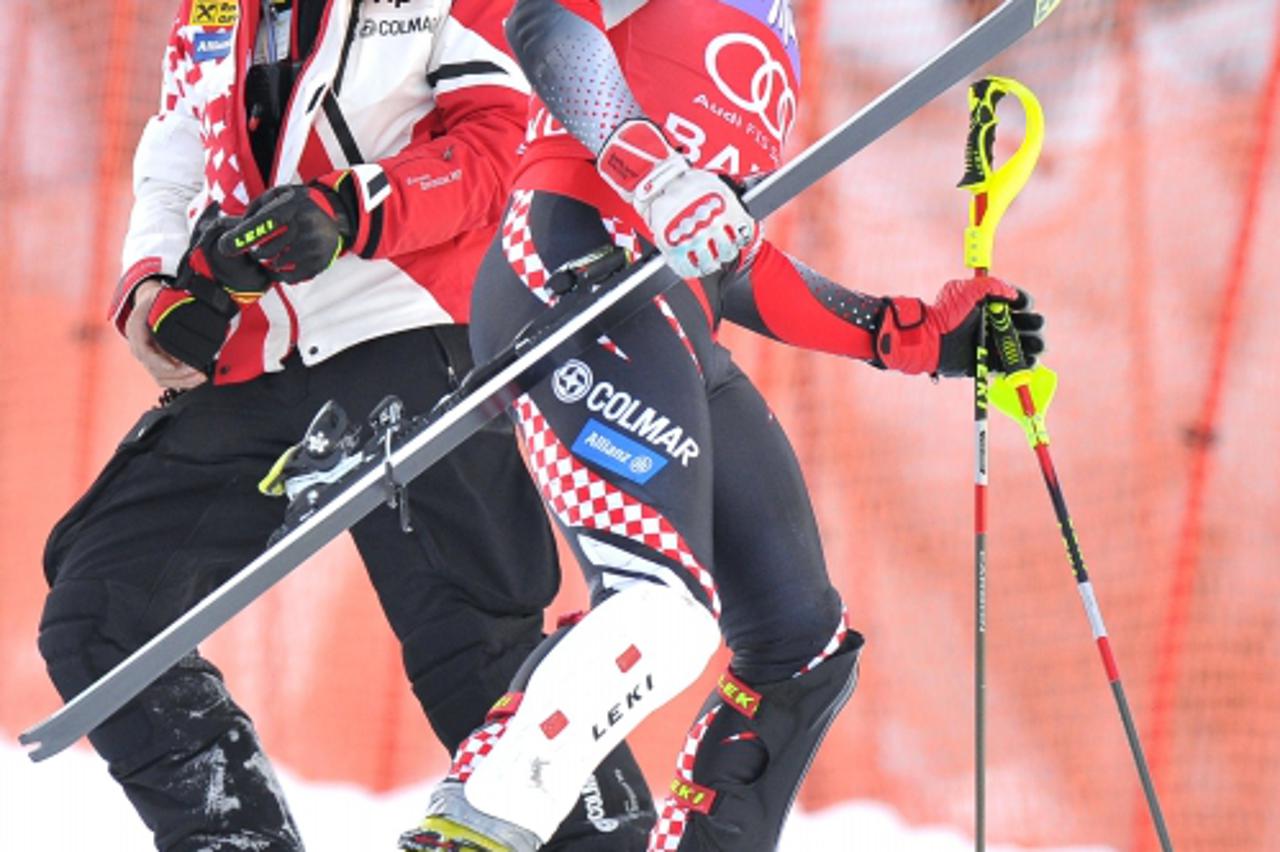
[624,660]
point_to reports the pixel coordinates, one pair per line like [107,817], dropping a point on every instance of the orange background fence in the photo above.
[1150,235]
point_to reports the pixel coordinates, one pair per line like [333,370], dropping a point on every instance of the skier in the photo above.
[671,479]
[311,203]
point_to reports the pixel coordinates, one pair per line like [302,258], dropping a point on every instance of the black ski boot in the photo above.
[327,452]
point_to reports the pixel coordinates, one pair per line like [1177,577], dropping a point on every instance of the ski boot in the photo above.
[312,471]
[453,825]
[326,453]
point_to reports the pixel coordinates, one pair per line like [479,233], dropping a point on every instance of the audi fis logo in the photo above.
[572,381]
[750,78]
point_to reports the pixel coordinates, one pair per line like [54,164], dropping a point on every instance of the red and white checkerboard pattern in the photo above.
[580,498]
[475,747]
[842,630]
[522,254]
[673,817]
[623,235]
[520,251]
[224,178]
[665,308]
[625,238]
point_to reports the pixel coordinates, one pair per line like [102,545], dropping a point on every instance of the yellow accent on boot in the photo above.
[448,836]
[272,485]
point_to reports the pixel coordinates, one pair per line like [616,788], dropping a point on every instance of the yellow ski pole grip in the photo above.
[1018,390]
[1022,392]
[995,188]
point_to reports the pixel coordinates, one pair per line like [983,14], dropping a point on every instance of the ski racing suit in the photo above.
[419,108]
[670,477]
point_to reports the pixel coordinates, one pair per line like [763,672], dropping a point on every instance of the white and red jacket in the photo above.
[420,98]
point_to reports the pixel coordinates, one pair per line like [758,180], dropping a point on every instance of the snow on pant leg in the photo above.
[617,442]
[172,514]
[463,591]
[794,661]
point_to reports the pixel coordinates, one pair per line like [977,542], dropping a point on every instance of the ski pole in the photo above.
[1024,394]
[993,190]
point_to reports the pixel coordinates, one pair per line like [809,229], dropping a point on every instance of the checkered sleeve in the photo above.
[167,174]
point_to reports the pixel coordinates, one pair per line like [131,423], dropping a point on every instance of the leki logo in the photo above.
[256,235]
[746,73]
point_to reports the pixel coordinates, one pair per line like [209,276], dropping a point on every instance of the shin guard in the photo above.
[747,754]
[625,659]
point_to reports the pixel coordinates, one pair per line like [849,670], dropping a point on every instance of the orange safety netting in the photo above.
[1148,235]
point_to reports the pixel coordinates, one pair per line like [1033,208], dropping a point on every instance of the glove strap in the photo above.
[898,333]
[637,161]
[339,201]
[195,277]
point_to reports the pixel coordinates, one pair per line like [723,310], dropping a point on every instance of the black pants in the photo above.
[176,512]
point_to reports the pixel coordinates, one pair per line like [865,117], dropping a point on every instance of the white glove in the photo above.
[697,220]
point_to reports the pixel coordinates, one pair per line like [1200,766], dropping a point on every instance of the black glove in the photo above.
[296,232]
[190,316]
[1028,325]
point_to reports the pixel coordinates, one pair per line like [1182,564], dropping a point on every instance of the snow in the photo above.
[55,805]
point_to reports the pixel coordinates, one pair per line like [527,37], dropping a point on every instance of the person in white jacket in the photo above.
[351,159]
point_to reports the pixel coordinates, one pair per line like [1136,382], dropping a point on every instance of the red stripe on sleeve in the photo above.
[794,315]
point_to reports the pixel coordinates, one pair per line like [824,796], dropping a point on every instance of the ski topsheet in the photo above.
[496,384]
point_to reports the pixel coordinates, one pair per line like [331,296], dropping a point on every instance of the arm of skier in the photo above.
[694,217]
[778,296]
[168,171]
[453,177]
[450,179]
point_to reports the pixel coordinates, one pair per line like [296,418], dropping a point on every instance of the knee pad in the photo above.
[627,657]
[747,753]
[183,751]
[81,638]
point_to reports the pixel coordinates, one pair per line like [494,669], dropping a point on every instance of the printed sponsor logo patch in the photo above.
[571,381]
[613,451]
[206,46]
[370,27]
[214,13]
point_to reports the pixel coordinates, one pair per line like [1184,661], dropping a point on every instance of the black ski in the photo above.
[488,391]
